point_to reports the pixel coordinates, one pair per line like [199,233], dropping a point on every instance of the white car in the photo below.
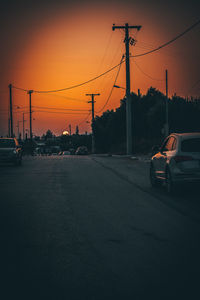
[177,161]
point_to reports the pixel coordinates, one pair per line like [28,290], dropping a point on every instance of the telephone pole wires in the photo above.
[30,113]
[92,101]
[11,113]
[129,135]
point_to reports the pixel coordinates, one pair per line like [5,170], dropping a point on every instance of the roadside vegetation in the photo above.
[148,113]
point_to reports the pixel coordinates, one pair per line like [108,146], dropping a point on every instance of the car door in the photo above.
[163,156]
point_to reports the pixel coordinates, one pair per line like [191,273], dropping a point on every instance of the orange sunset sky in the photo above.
[50,45]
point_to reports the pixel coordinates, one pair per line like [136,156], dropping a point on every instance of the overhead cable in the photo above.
[73,86]
[112,86]
[169,42]
[59,112]
[55,108]
[85,119]
[146,73]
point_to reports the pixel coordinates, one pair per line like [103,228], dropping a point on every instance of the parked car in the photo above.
[72,151]
[82,150]
[177,161]
[10,151]
[66,153]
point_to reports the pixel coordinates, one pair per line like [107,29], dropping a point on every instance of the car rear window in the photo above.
[5,143]
[191,145]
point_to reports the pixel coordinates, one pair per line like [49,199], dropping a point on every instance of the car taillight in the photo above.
[181,158]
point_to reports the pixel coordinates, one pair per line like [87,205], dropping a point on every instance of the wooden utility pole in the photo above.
[11,113]
[167,108]
[23,126]
[129,136]
[30,113]
[92,101]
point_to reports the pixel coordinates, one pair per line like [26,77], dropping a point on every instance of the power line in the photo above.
[105,52]
[84,120]
[169,42]
[112,87]
[55,108]
[146,73]
[65,97]
[59,112]
[194,85]
[73,86]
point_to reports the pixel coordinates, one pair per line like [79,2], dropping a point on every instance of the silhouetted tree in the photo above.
[148,113]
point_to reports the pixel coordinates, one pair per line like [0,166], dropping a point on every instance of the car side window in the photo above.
[168,145]
[174,144]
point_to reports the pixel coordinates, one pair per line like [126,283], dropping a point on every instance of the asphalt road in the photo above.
[92,228]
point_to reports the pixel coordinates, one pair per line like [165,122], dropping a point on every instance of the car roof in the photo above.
[187,134]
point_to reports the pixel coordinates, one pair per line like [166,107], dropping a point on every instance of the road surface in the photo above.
[89,227]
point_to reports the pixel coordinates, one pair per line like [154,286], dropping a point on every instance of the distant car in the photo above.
[10,151]
[177,161]
[66,153]
[72,151]
[82,150]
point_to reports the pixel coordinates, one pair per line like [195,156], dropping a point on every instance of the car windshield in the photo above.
[191,145]
[7,143]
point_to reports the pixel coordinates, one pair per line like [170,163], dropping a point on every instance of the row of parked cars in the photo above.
[11,151]
[81,150]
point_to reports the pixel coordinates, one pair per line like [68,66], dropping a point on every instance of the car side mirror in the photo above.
[155,150]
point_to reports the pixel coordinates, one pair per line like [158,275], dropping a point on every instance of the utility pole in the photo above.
[129,136]
[23,121]
[8,124]
[92,101]
[70,129]
[11,114]
[30,114]
[167,108]
[18,129]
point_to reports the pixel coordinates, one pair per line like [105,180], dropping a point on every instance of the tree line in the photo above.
[149,117]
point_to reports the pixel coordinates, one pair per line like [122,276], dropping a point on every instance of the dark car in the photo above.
[177,161]
[82,150]
[10,151]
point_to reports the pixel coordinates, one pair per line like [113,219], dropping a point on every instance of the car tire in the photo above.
[169,183]
[154,181]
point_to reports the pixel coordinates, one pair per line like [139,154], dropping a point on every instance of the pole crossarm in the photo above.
[138,27]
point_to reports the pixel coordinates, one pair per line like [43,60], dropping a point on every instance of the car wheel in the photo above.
[169,183]
[154,181]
